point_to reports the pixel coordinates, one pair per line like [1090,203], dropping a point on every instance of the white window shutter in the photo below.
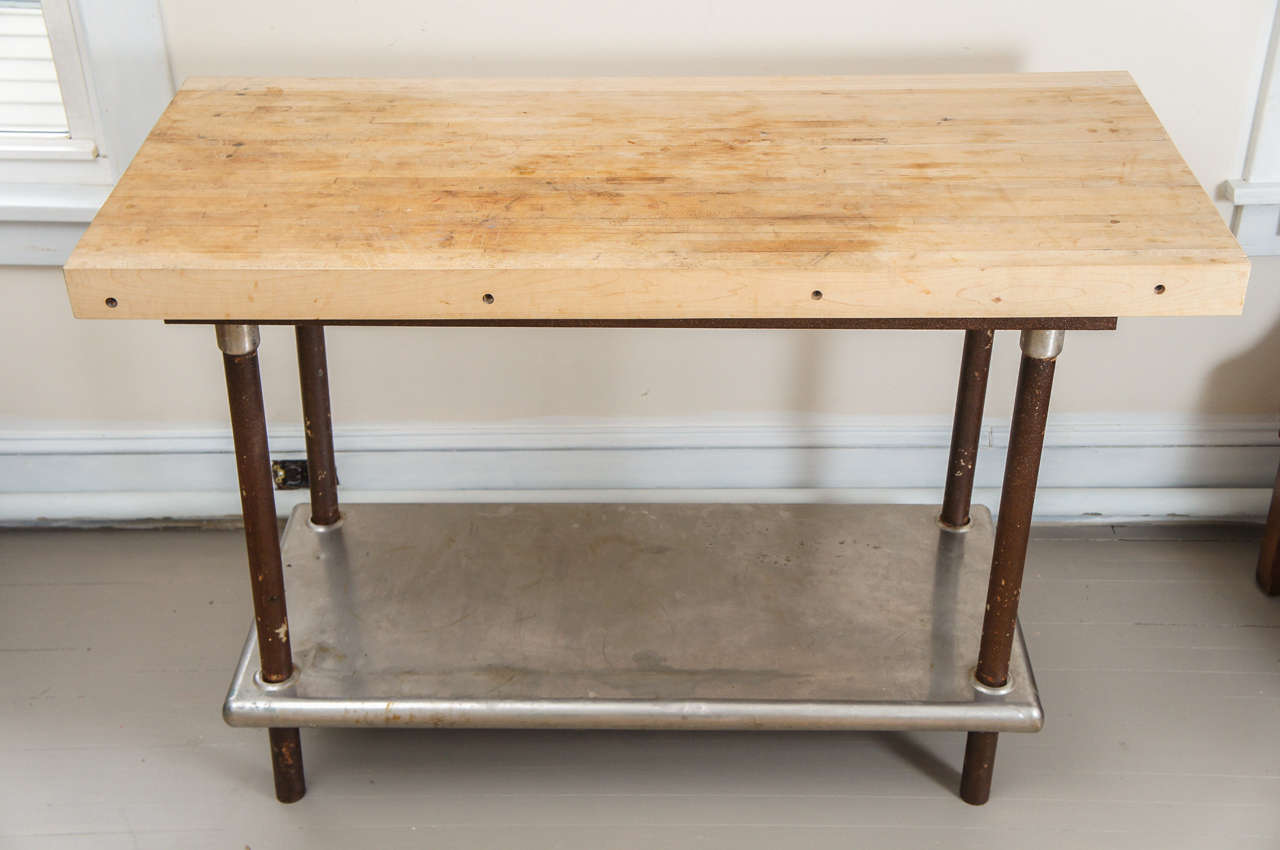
[30,98]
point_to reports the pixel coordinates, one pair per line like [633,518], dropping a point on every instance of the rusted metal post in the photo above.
[1269,556]
[1040,350]
[979,764]
[313,373]
[239,345]
[966,428]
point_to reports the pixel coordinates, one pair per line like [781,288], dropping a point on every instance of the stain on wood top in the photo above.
[627,198]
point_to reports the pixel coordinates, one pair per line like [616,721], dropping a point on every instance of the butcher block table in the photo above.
[1033,202]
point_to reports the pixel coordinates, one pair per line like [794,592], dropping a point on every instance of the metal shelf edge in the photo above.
[249,704]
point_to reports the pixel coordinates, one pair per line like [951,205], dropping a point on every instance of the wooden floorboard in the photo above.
[1158,661]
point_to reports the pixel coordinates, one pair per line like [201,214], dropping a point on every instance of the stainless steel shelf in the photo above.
[602,616]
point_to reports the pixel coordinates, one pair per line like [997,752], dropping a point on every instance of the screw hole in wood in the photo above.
[816,295]
[111,302]
[487,298]
[1159,290]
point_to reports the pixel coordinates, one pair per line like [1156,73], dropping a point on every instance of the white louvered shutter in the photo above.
[30,99]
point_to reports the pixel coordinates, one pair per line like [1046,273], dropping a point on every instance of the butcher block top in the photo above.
[1005,195]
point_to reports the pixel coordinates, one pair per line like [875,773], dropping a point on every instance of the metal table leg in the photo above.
[971,395]
[239,344]
[1269,556]
[1040,350]
[271,639]
[313,374]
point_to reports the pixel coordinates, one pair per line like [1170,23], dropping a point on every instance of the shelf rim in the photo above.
[249,704]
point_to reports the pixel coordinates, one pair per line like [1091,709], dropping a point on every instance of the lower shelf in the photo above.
[634,616]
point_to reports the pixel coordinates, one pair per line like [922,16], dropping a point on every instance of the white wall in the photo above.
[1199,63]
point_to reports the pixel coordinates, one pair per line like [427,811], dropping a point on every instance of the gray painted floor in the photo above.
[1158,661]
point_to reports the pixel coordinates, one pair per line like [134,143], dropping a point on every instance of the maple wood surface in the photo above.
[1001,195]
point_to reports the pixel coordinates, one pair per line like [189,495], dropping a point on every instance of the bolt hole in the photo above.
[1159,289]
[816,295]
[487,298]
[111,302]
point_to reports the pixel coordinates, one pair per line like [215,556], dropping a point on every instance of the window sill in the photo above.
[1244,193]
[27,147]
[1256,220]
[41,222]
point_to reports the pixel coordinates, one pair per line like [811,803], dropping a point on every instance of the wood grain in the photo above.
[623,198]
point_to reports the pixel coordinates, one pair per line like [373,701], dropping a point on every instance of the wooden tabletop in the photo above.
[1009,195]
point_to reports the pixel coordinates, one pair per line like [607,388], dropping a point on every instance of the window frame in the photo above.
[113,70]
[73,94]
[1256,196]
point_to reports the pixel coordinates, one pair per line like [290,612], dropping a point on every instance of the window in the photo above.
[81,83]
[1256,220]
[30,100]
[45,111]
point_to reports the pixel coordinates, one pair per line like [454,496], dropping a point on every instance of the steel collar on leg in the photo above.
[1042,345]
[237,340]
